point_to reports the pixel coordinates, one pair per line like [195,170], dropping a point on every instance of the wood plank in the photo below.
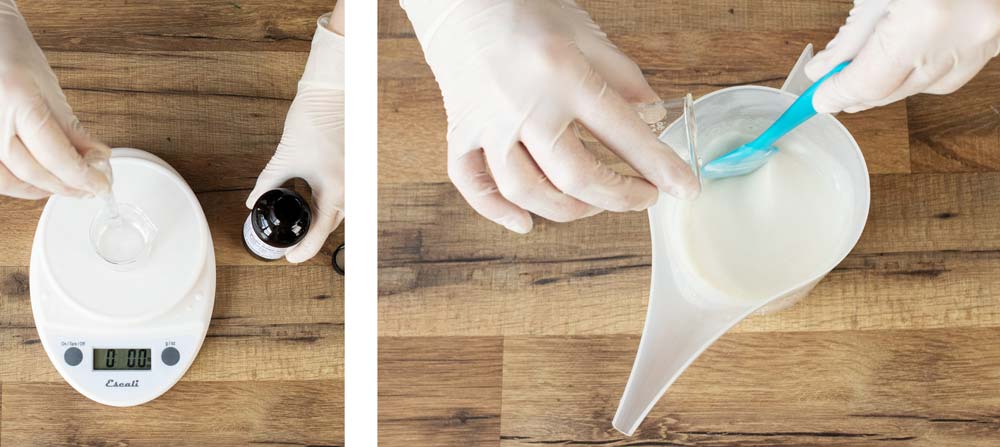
[927,259]
[214,142]
[439,391]
[225,211]
[254,74]
[110,26]
[896,388]
[215,116]
[283,413]
[959,132]
[609,296]
[676,62]
[652,16]
[929,212]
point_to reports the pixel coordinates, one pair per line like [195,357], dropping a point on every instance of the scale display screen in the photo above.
[127,359]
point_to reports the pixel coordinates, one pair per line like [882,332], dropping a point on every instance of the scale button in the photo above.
[73,356]
[170,356]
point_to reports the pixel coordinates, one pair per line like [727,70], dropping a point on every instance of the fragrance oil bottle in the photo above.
[278,220]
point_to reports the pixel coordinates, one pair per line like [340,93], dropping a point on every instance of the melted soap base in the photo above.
[755,236]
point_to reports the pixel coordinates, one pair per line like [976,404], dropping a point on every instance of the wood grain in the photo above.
[895,388]
[259,413]
[888,350]
[645,17]
[439,391]
[194,74]
[205,85]
[961,131]
[110,26]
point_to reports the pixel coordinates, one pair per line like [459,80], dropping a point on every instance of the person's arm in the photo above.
[900,48]
[42,144]
[337,18]
[312,145]
[515,75]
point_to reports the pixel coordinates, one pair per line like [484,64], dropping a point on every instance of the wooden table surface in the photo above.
[490,338]
[205,85]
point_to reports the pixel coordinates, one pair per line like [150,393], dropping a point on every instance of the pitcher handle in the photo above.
[797,81]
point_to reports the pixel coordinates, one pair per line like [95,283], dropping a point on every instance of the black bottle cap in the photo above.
[338,260]
[281,217]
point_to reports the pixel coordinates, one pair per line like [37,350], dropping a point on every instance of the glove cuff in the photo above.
[8,10]
[326,58]
[9,6]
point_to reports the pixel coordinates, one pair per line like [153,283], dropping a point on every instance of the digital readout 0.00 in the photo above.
[123,359]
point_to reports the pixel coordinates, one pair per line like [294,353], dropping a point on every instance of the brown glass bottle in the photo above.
[278,220]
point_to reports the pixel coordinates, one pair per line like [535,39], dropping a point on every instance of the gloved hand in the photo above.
[515,75]
[42,143]
[312,146]
[904,47]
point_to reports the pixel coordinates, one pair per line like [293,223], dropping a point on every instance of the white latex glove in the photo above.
[312,146]
[904,47]
[42,143]
[515,74]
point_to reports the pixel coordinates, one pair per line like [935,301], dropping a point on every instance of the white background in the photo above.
[361,285]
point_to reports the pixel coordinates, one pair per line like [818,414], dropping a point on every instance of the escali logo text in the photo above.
[112,383]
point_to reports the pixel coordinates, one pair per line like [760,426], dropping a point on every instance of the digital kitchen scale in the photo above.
[124,337]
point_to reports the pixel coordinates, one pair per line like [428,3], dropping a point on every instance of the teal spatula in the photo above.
[751,156]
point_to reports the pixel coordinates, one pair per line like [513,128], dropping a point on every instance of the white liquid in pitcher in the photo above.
[754,236]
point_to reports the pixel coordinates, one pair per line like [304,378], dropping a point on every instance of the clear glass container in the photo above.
[659,116]
[120,233]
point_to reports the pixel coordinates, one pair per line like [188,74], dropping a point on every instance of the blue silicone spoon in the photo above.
[751,156]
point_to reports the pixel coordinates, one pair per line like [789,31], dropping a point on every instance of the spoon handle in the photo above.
[800,111]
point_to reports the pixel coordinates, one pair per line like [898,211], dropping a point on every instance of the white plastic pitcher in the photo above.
[684,316]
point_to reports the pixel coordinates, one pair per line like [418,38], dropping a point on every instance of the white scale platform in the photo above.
[163,304]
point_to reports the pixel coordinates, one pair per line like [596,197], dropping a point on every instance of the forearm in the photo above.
[312,144]
[11,21]
[336,23]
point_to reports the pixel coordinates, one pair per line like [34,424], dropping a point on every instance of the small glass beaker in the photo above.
[122,237]
[659,116]
[120,233]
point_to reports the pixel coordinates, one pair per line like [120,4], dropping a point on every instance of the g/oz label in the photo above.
[258,246]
